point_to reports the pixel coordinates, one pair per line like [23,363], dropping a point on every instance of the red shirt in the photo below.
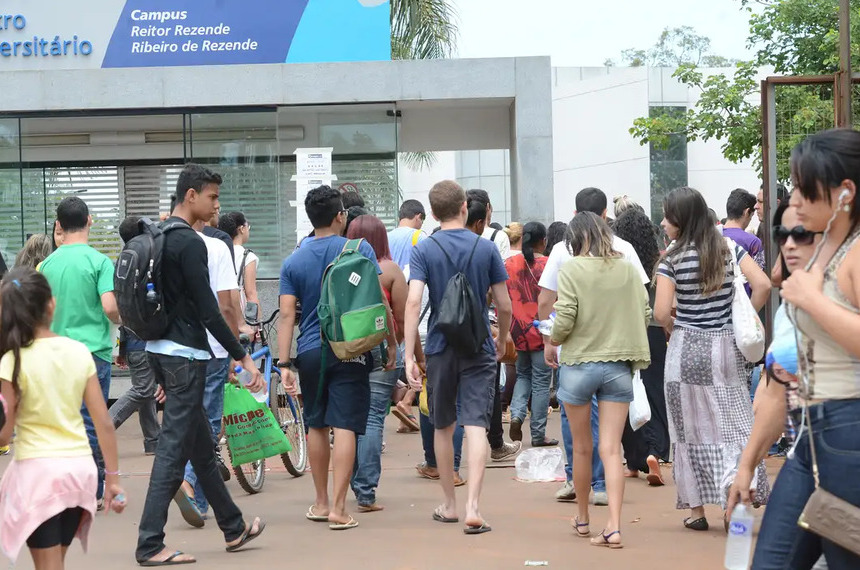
[524,289]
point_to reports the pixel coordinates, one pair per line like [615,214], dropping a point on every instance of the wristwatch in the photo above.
[285,364]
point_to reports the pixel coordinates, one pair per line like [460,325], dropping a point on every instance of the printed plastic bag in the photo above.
[540,464]
[640,410]
[252,432]
[749,332]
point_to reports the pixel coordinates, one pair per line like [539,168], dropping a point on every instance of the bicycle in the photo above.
[287,412]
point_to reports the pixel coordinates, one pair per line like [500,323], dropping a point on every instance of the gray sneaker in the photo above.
[600,499]
[507,451]
[566,494]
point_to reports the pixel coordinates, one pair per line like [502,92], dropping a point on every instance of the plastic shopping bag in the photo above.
[640,410]
[252,432]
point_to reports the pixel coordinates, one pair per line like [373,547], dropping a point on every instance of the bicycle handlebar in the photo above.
[264,323]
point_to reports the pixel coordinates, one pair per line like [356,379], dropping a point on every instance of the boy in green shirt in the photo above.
[81,279]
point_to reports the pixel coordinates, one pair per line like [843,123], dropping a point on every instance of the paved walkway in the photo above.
[528,524]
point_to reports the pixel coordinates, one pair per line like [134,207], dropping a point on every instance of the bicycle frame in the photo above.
[268,367]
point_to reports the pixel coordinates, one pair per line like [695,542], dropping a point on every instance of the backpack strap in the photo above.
[352,245]
[493,237]
[451,261]
[241,274]
[415,237]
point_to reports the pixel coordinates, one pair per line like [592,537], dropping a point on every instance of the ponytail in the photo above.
[533,234]
[24,300]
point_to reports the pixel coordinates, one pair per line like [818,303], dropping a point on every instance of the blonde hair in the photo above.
[35,251]
[624,203]
[589,235]
[514,232]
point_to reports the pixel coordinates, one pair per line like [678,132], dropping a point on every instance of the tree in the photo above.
[675,47]
[795,37]
[422,29]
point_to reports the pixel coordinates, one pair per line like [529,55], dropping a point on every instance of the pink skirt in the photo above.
[34,490]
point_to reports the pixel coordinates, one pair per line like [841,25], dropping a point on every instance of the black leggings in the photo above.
[58,530]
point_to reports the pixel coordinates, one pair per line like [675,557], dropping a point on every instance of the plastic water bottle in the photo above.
[151,295]
[739,543]
[244,378]
[545,327]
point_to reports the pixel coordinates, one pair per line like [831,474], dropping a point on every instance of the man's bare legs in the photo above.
[613,417]
[319,455]
[344,461]
[477,449]
[443,445]
[579,418]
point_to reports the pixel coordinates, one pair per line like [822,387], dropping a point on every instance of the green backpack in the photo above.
[351,310]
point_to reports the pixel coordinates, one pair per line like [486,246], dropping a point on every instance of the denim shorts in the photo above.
[610,381]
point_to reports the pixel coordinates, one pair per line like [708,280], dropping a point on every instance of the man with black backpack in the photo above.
[179,358]
[458,268]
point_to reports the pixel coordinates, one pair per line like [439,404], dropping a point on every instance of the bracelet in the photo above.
[111,472]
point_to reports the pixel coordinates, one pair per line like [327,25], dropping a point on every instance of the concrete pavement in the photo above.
[528,524]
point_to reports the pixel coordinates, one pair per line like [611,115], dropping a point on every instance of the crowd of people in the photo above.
[487,325]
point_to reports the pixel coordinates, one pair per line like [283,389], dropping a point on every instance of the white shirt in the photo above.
[238,253]
[559,254]
[222,277]
[503,243]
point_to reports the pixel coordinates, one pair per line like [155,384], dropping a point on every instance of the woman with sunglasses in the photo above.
[824,303]
[709,408]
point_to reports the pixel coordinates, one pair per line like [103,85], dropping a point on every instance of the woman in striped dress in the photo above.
[710,414]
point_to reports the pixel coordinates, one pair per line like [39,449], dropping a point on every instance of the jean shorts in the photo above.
[610,381]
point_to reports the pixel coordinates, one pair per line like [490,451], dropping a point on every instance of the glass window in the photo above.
[11,215]
[668,165]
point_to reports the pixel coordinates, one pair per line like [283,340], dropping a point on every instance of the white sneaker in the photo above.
[566,494]
[600,499]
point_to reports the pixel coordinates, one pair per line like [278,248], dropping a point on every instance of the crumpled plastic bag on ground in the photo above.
[540,464]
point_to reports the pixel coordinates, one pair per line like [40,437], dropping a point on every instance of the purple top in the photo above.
[750,243]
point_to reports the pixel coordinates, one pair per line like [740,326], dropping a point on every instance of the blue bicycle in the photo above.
[287,412]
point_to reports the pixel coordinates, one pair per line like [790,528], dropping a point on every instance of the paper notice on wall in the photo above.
[313,169]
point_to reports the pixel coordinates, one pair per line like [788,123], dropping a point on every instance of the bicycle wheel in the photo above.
[293,426]
[250,476]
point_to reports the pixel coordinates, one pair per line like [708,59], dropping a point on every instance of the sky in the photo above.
[586,33]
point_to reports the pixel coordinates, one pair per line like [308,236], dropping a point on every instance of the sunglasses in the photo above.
[800,235]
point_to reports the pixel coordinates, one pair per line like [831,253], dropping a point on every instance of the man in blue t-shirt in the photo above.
[408,234]
[451,376]
[345,399]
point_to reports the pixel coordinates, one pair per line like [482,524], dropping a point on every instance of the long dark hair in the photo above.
[533,234]
[777,221]
[25,297]
[686,209]
[636,227]
[823,161]
[554,234]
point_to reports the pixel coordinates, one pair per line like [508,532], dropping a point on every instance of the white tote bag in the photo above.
[749,332]
[640,410]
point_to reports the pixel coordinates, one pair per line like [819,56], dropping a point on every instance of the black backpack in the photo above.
[137,281]
[460,315]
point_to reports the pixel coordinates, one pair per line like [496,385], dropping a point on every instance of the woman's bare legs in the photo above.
[613,416]
[579,418]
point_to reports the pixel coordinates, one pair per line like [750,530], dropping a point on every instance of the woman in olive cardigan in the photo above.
[601,317]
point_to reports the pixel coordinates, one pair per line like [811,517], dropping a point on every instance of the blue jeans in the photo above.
[781,542]
[103,369]
[754,381]
[217,370]
[533,379]
[427,436]
[368,452]
[598,482]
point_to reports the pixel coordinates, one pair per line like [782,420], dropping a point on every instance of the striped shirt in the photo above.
[695,310]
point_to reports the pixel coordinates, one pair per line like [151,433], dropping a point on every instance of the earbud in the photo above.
[845,194]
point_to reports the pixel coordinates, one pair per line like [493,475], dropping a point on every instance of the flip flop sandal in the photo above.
[188,509]
[653,478]
[314,517]
[477,529]
[578,525]
[407,419]
[439,517]
[248,535]
[603,540]
[351,523]
[169,561]
[545,443]
[372,508]
[698,524]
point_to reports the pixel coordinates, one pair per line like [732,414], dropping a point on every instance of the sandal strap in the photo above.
[579,524]
[606,537]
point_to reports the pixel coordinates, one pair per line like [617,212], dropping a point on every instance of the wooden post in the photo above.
[844,89]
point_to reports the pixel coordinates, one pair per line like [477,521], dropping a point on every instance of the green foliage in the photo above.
[674,47]
[423,29]
[795,37]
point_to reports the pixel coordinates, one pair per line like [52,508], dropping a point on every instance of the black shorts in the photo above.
[471,379]
[58,530]
[345,399]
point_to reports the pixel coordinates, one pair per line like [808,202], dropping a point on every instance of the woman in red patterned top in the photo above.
[533,375]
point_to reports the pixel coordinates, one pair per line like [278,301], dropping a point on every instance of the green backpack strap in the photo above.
[352,245]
